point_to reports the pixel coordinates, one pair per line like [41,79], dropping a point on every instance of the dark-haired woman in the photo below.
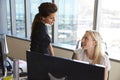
[40,40]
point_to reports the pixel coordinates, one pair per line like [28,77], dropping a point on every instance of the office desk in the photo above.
[10,77]
[23,78]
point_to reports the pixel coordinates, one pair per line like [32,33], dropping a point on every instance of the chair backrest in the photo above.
[4,43]
[77,46]
[3,53]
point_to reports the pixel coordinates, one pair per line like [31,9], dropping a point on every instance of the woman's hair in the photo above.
[45,9]
[36,19]
[98,48]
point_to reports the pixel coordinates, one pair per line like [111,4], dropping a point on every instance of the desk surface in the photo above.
[9,76]
[23,78]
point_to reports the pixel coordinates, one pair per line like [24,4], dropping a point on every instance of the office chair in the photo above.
[8,61]
[3,53]
[78,45]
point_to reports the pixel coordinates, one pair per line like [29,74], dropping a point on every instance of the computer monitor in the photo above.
[45,67]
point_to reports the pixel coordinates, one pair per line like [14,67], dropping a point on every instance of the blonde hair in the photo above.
[98,48]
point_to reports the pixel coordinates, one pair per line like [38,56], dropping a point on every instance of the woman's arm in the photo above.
[51,49]
[108,66]
[75,56]
[106,74]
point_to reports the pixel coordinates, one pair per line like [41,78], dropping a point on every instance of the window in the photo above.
[109,25]
[74,18]
[8,17]
[20,18]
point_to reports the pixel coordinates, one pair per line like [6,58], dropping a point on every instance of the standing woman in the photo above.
[91,51]
[40,40]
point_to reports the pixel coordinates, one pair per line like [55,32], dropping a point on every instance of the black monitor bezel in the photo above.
[74,70]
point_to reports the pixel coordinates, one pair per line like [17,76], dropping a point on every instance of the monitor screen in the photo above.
[44,67]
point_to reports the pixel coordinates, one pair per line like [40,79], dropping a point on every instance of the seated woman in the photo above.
[91,51]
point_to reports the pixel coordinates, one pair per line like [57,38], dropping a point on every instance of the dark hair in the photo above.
[46,8]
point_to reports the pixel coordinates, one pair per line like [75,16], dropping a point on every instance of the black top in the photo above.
[40,39]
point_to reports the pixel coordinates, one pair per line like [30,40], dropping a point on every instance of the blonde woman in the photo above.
[91,51]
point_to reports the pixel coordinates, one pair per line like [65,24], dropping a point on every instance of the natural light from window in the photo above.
[110,25]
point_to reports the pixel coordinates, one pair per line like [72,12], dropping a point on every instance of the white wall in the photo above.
[17,49]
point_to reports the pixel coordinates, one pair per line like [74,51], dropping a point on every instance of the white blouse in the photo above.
[83,57]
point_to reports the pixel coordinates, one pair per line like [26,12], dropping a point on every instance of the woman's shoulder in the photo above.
[105,56]
[39,26]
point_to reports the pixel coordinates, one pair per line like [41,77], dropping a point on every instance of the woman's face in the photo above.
[87,42]
[49,19]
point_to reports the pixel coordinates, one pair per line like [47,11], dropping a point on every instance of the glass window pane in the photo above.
[110,25]
[8,17]
[74,18]
[20,18]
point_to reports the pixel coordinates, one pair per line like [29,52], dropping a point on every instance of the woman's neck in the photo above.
[89,54]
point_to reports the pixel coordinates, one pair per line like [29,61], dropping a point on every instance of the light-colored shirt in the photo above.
[83,57]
